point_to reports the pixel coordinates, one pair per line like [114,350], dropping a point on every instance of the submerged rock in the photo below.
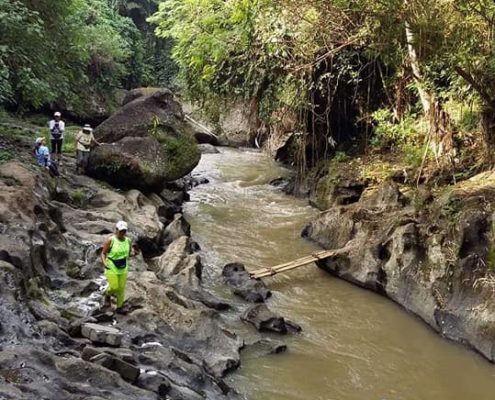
[266,321]
[241,283]
[206,148]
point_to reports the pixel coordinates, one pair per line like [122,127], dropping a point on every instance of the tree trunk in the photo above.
[488,125]
[424,96]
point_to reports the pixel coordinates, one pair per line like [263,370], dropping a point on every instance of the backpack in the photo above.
[56,132]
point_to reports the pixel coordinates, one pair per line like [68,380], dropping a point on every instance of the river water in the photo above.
[355,345]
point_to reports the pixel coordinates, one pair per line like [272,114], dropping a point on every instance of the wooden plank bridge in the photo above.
[270,271]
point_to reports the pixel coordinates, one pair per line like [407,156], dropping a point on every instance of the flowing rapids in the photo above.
[355,345]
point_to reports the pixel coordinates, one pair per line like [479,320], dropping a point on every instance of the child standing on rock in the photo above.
[85,140]
[115,257]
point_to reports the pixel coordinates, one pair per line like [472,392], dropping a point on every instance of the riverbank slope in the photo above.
[55,343]
[428,247]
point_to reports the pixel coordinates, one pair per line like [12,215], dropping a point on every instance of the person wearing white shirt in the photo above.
[57,128]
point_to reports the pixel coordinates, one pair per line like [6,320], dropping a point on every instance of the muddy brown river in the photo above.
[355,345]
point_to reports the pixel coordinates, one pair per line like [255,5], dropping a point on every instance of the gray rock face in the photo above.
[51,282]
[148,143]
[101,334]
[414,257]
[121,361]
[252,290]
[206,148]
[135,117]
[330,192]
[177,228]
[266,321]
[236,125]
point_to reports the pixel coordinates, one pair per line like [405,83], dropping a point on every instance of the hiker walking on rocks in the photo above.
[85,141]
[57,128]
[115,257]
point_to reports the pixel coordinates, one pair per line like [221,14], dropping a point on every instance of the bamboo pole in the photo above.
[265,272]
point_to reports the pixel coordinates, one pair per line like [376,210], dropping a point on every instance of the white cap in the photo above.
[57,114]
[121,226]
[39,140]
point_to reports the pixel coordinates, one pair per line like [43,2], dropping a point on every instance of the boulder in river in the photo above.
[206,148]
[241,283]
[139,118]
[143,162]
[266,321]
[148,143]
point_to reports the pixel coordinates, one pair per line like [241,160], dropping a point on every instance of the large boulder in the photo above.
[142,115]
[236,125]
[142,162]
[147,143]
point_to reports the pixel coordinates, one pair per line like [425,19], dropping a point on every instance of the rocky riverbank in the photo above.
[430,249]
[54,342]
[171,341]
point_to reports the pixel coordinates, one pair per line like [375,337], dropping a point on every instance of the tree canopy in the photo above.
[410,57]
[76,52]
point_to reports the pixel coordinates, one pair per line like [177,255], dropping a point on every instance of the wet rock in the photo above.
[177,197]
[120,360]
[75,326]
[177,228]
[281,183]
[155,382]
[266,321]
[100,377]
[263,347]
[101,334]
[208,149]
[205,138]
[243,285]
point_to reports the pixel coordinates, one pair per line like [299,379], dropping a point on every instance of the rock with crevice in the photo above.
[266,321]
[242,285]
[101,334]
[404,247]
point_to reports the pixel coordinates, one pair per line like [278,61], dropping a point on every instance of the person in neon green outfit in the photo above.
[115,257]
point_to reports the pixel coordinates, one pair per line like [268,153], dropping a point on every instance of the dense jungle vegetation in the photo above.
[412,77]
[75,54]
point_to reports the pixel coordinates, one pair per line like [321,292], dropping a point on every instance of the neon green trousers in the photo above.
[116,285]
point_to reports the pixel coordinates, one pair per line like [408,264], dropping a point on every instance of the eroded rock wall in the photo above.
[433,255]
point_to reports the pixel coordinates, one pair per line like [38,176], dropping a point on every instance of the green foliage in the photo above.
[340,157]
[78,197]
[452,208]
[388,132]
[6,156]
[240,48]
[75,53]
[181,151]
